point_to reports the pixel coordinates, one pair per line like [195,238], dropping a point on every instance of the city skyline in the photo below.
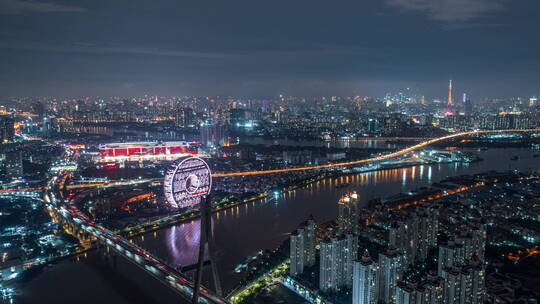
[409,94]
[350,152]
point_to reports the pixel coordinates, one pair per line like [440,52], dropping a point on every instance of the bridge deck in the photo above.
[136,254]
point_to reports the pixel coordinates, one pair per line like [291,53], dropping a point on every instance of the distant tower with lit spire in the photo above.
[450,102]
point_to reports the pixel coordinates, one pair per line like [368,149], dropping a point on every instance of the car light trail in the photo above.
[21,189]
[343,164]
[372,159]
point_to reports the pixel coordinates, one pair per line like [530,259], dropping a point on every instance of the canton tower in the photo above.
[450,103]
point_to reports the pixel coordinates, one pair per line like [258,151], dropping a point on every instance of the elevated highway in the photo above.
[151,264]
[375,158]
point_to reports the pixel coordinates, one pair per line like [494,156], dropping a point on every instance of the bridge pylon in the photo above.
[207,238]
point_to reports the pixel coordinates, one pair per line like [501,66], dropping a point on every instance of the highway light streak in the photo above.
[373,159]
[522,254]
[283,170]
[437,196]
[134,253]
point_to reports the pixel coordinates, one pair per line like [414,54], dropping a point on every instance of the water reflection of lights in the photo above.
[375,158]
[183,242]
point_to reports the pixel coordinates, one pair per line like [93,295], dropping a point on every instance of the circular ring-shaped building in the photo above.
[187,181]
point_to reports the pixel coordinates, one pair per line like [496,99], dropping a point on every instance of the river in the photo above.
[242,231]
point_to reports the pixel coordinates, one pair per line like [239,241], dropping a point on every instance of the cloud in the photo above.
[90,48]
[20,7]
[155,52]
[260,55]
[449,10]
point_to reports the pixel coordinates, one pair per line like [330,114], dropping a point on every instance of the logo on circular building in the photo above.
[186,182]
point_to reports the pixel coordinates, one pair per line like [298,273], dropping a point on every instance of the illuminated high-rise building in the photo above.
[449,254]
[185,118]
[393,125]
[350,254]
[331,264]
[237,116]
[468,107]
[348,213]
[452,285]
[464,284]
[433,289]
[406,294]
[365,280]
[303,247]
[533,101]
[429,291]
[337,257]
[14,164]
[428,227]
[297,252]
[477,288]
[414,233]
[479,234]
[213,135]
[7,129]
[390,270]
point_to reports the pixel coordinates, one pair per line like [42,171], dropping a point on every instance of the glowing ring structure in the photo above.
[186,182]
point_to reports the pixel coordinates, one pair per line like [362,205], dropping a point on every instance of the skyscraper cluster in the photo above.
[464,283]
[382,282]
[460,265]
[387,271]
[425,292]
[460,272]
[213,135]
[414,233]
[467,244]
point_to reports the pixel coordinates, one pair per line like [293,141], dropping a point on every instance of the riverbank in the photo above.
[170,220]
[244,230]
[449,187]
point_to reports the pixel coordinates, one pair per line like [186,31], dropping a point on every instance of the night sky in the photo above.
[490,48]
